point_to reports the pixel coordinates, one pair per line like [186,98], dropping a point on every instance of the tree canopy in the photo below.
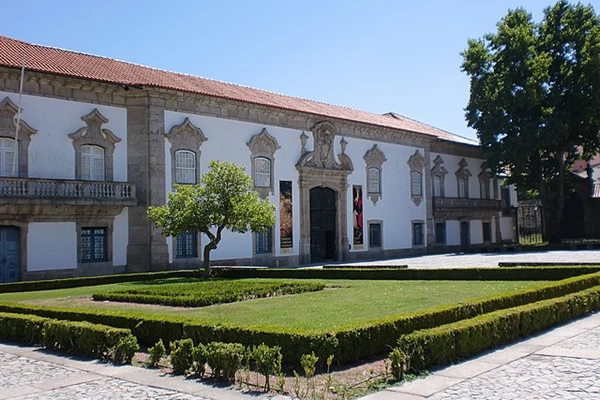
[226,199]
[535,99]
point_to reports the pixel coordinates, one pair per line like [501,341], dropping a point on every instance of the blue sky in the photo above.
[373,55]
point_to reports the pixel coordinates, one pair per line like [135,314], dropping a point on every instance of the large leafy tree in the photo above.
[225,200]
[535,99]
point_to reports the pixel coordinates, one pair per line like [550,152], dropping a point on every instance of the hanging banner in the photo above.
[358,215]
[286,227]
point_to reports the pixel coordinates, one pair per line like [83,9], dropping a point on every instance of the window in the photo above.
[92,163]
[94,149]
[417,234]
[8,158]
[374,235]
[487,231]
[438,173]
[185,167]
[486,193]
[440,233]
[374,181]
[14,154]
[186,245]
[262,172]
[374,159]
[263,242]
[487,183]
[437,186]
[505,200]
[416,163]
[462,179]
[93,245]
[416,184]
[462,188]
[262,161]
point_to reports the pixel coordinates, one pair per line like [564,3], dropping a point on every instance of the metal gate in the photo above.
[529,222]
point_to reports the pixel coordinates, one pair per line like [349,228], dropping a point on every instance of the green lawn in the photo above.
[343,304]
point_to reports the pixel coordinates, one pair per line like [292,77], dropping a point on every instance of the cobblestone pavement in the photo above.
[561,364]
[458,260]
[28,373]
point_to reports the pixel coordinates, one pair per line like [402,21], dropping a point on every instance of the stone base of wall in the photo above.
[85,270]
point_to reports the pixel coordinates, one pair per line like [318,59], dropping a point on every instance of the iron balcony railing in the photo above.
[59,189]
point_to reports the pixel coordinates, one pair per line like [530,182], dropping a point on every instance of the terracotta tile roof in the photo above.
[80,65]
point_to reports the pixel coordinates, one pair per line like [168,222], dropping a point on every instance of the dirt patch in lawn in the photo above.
[343,382]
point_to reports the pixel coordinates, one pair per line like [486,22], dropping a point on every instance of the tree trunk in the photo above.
[206,257]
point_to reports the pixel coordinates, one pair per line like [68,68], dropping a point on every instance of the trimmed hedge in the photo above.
[444,274]
[347,345]
[79,338]
[21,328]
[30,286]
[446,344]
[205,293]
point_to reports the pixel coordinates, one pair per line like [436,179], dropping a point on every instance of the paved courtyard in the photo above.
[462,260]
[561,364]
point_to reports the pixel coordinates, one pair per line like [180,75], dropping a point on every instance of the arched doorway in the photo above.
[322,225]
[9,254]
[573,224]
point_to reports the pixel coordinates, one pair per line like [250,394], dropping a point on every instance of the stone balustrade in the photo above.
[59,189]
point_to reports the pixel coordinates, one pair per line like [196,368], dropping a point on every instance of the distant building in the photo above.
[100,140]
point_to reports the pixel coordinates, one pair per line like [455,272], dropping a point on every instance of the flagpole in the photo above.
[18,124]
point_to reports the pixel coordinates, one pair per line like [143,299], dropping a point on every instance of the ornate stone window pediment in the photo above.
[438,177]
[462,179]
[185,140]
[374,159]
[94,135]
[416,163]
[486,180]
[262,161]
[8,130]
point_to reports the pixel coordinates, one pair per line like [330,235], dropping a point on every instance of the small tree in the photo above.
[225,200]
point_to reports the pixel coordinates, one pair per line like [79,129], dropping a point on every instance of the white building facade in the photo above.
[99,140]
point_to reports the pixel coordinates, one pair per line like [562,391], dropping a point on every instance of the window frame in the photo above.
[259,243]
[462,179]
[88,169]
[179,168]
[8,113]
[443,233]
[418,233]
[438,174]
[94,135]
[267,176]
[486,231]
[373,181]
[416,184]
[375,241]
[10,173]
[374,159]
[182,248]
[93,233]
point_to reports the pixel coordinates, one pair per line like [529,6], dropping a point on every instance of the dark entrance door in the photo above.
[9,254]
[573,222]
[465,235]
[322,225]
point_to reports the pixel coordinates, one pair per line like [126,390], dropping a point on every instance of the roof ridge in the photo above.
[73,63]
[396,115]
[184,74]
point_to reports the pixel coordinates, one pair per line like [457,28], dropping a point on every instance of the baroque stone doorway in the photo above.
[322,225]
